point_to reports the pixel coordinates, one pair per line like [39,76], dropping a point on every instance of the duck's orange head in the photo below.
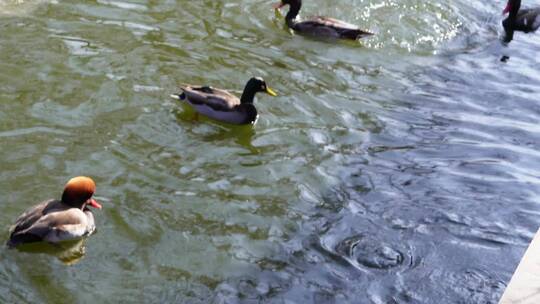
[78,192]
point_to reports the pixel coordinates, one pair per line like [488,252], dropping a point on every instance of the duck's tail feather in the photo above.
[355,34]
[21,238]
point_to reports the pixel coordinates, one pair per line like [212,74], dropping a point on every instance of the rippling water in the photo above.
[402,169]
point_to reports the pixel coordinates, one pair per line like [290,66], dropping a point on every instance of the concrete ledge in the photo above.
[524,287]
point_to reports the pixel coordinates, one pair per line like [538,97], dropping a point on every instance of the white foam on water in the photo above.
[20,7]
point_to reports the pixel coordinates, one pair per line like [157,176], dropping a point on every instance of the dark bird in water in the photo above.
[525,20]
[320,26]
[222,105]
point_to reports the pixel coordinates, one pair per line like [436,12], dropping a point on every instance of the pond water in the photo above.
[400,169]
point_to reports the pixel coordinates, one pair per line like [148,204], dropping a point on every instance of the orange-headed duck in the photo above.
[58,220]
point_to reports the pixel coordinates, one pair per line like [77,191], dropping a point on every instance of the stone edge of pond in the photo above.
[524,287]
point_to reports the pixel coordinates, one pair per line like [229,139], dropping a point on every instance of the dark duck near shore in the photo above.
[319,26]
[522,20]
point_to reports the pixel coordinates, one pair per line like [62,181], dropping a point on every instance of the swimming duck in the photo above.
[320,26]
[525,20]
[58,220]
[222,105]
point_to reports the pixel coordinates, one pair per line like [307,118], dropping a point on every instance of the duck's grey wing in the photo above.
[327,21]
[54,227]
[330,27]
[217,99]
[31,215]
[35,233]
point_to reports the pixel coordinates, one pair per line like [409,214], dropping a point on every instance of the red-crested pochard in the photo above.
[58,220]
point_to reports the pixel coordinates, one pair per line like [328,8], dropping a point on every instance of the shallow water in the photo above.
[402,169]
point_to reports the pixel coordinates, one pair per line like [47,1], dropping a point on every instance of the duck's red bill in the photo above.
[93,203]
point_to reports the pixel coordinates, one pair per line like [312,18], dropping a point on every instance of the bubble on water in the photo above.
[369,252]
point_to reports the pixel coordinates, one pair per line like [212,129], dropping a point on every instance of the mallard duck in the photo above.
[222,105]
[56,220]
[525,20]
[319,26]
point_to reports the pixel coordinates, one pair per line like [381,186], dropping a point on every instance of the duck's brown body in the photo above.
[58,220]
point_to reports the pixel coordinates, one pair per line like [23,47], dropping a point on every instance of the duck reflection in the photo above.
[68,252]
[240,134]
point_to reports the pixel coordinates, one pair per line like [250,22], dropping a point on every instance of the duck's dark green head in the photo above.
[289,2]
[255,85]
[293,11]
